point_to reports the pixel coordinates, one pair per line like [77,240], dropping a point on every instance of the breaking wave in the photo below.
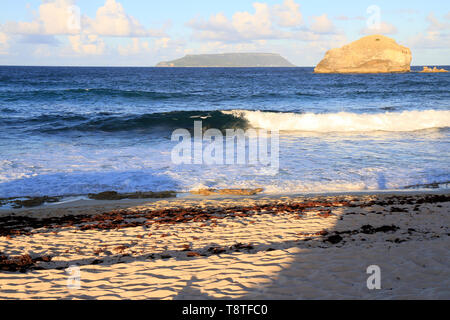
[345,122]
[164,122]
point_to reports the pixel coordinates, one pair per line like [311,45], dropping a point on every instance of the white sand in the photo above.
[418,268]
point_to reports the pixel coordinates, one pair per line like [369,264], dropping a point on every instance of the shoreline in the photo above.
[232,247]
[84,202]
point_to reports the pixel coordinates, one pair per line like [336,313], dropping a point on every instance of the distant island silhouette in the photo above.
[229,60]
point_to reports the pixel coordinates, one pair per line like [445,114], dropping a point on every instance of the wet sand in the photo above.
[253,247]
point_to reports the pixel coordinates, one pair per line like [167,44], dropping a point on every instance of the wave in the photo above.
[165,121]
[345,122]
[100,92]
[8,110]
[358,90]
[396,92]
[10,95]
[423,82]
[270,120]
[130,93]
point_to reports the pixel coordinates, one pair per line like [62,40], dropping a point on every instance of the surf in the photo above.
[406,121]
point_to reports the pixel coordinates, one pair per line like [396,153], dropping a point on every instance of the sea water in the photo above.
[73,131]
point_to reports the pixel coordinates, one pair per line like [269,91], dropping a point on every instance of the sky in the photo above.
[145,32]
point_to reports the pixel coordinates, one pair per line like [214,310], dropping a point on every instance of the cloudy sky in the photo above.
[145,32]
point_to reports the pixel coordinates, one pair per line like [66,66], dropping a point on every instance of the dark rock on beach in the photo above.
[113,195]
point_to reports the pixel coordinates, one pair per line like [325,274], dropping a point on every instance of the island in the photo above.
[371,54]
[229,60]
[433,70]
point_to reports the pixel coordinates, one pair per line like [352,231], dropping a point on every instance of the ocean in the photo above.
[80,130]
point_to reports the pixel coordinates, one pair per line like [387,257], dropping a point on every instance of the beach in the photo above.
[316,246]
[224,156]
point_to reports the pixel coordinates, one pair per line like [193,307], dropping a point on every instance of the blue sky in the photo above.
[142,33]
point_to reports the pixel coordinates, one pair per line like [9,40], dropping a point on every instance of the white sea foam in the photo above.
[346,122]
[331,162]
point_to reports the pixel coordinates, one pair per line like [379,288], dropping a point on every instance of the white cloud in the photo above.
[288,14]
[242,26]
[42,50]
[266,22]
[218,46]
[436,36]
[62,17]
[4,45]
[163,43]
[12,27]
[160,47]
[435,24]
[322,45]
[322,24]
[280,21]
[55,18]
[382,28]
[346,18]
[112,20]
[84,34]
[258,24]
[3,38]
[137,46]
[87,44]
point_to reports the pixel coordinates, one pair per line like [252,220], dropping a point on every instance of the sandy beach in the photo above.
[255,247]
[242,153]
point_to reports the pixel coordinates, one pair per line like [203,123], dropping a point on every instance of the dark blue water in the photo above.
[80,130]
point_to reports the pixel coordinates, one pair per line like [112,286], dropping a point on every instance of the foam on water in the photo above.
[307,164]
[345,121]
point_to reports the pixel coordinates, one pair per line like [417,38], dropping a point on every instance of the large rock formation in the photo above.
[371,54]
[224,60]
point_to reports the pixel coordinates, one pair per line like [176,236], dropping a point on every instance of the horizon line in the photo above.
[125,66]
